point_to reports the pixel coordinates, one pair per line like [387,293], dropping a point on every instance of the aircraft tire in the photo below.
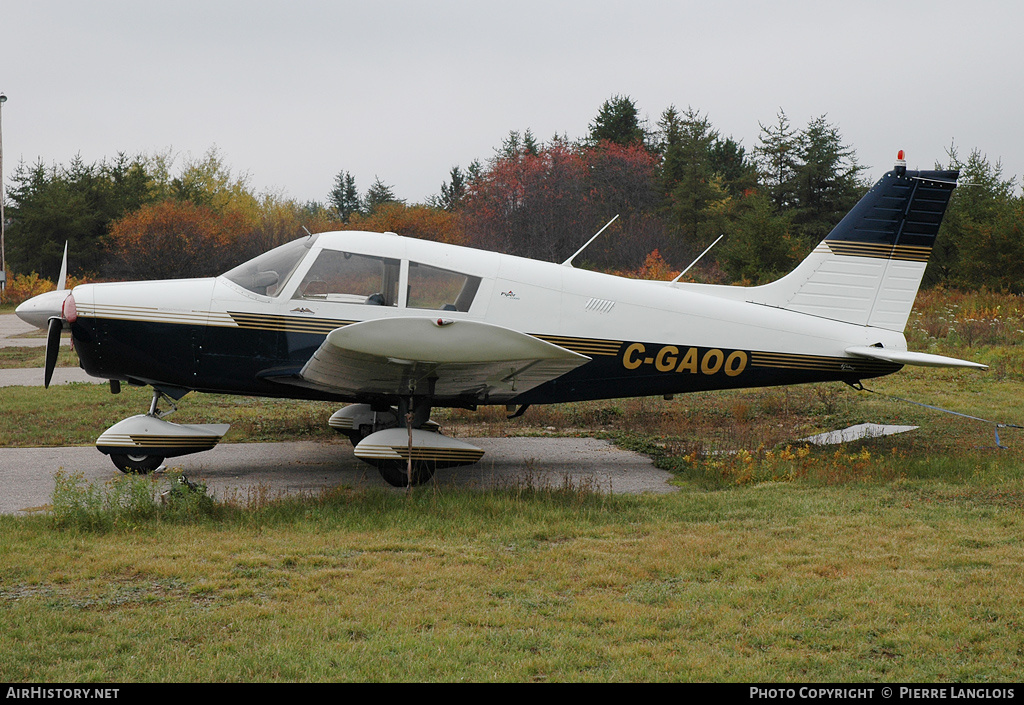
[137,464]
[395,472]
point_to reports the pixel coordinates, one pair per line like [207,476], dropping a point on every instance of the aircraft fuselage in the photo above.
[643,338]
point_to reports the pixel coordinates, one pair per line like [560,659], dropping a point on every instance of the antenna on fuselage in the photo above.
[698,259]
[568,262]
[307,231]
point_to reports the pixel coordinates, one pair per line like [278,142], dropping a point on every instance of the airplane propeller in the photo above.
[51,311]
[56,325]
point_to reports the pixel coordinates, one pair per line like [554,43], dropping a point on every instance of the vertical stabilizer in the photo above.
[869,268]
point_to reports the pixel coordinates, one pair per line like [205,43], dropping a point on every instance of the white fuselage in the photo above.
[647,328]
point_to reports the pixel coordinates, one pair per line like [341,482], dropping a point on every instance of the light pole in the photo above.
[3,225]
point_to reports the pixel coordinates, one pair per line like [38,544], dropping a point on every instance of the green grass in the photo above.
[75,414]
[33,357]
[775,582]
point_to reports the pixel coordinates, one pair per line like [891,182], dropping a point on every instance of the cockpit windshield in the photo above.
[269,272]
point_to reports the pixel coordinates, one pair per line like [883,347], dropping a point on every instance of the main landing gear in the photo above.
[403,443]
[388,438]
[140,444]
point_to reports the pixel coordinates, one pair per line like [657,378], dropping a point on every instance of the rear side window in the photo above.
[440,289]
[347,277]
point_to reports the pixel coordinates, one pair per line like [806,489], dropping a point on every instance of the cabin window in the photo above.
[347,277]
[440,289]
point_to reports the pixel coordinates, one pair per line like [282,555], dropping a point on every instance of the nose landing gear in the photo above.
[139,444]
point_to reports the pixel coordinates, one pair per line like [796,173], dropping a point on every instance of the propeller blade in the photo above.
[52,348]
[62,279]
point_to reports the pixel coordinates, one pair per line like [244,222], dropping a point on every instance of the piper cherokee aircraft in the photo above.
[394,327]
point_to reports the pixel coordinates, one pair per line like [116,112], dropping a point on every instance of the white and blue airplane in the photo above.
[394,327]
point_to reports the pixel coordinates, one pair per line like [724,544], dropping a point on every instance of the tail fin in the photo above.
[868,270]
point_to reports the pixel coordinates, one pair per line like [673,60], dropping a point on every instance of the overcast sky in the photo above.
[293,92]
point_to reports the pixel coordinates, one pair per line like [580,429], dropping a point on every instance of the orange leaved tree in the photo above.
[174,239]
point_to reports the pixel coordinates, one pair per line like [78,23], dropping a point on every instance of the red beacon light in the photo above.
[901,163]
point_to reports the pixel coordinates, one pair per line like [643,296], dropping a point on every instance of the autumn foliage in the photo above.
[22,287]
[421,222]
[546,204]
[174,239]
[654,268]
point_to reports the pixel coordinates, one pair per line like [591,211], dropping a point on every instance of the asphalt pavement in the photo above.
[236,470]
[12,327]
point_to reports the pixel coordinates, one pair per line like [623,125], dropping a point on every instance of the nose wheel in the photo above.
[137,464]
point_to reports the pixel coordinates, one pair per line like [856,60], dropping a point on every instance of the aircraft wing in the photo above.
[443,358]
[904,357]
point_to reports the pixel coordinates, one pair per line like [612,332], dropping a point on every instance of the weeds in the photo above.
[126,502]
[951,319]
[788,464]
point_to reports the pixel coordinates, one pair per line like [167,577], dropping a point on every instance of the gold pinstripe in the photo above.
[584,346]
[792,361]
[908,253]
[152,314]
[265,321]
[386,452]
[230,319]
[125,440]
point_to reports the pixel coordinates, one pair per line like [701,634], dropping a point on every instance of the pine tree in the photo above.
[759,247]
[344,197]
[453,191]
[729,158]
[516,146]
[826,183]
[697,189]
[777,157]
[618,121]
[979,240]
[669,140]
[377,195]
[76,204]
